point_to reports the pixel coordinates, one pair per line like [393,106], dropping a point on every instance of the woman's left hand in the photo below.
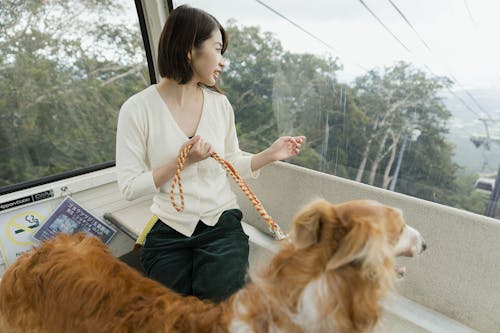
[286,147]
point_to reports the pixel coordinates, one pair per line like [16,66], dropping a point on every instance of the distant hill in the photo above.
[466,123]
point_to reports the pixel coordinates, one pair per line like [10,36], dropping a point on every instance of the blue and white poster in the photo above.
[69,217]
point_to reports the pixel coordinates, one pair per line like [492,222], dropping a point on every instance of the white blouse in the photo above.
[148,137]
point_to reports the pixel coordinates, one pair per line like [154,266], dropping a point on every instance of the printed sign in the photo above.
[71,218]
[17,228]
[26,200]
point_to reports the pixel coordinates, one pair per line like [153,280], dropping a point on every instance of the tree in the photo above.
[399,99]
[65,69]
[64,76]
[251,61]
[276,93]
[348,129]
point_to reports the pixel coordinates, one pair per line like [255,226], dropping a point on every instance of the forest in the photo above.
[63,78]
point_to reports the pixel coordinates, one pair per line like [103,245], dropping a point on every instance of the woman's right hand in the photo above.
[200,150]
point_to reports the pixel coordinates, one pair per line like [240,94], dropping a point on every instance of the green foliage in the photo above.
[65,69]
[61,87]
[351,131]
[251,61]
[466,196]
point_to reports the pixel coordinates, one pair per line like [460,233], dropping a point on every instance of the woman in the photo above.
[202,250]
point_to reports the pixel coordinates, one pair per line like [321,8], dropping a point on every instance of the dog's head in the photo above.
[363,233]
[334,269]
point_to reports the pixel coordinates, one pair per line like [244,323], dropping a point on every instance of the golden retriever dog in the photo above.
[329,276]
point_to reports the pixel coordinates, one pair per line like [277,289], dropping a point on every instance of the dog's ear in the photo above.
[307,224]
[364,244]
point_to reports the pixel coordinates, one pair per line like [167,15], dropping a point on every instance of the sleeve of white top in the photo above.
[135,178]
[233,154]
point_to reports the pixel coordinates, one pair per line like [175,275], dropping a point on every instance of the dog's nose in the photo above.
[424,245]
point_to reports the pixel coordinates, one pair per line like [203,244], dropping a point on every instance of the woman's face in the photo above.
[207,61]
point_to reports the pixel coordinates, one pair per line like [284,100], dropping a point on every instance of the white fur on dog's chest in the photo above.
[307,317]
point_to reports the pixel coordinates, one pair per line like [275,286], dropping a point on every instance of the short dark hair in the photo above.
[186,28]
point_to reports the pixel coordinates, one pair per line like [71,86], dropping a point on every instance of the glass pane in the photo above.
[65,69]
[399,95]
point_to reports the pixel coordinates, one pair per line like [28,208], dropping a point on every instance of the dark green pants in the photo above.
[211,264]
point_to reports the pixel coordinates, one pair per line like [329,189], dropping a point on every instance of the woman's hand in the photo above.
[200,150]
[285,147]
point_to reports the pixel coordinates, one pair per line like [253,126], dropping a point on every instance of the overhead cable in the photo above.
[298,26]
[383,25]
[451,75]
[310,34]
[409,24]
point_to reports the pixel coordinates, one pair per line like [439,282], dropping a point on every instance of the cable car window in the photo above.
[65,69]
[390,94]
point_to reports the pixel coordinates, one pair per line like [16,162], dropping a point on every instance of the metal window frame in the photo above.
[151,16]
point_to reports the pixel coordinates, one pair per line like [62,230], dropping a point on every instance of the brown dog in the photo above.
[329,277]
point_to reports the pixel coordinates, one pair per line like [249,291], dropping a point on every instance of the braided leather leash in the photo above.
[273,226]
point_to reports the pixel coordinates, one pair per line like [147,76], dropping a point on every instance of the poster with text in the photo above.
[69,217]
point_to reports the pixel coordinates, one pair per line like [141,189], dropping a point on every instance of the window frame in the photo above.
[101,166]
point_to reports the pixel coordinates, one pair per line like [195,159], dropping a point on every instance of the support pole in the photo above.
[492,202]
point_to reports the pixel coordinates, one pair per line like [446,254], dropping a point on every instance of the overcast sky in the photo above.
[461,35]
[456,38]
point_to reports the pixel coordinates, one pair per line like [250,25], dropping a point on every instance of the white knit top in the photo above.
[148,137]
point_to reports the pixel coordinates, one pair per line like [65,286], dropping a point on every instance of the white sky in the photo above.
[462,38]
[461,44]
[461,35]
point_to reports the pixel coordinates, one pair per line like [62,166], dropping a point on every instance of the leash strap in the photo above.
[145,231]
[274,228]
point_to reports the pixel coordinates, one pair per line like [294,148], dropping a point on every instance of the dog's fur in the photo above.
[329,277]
